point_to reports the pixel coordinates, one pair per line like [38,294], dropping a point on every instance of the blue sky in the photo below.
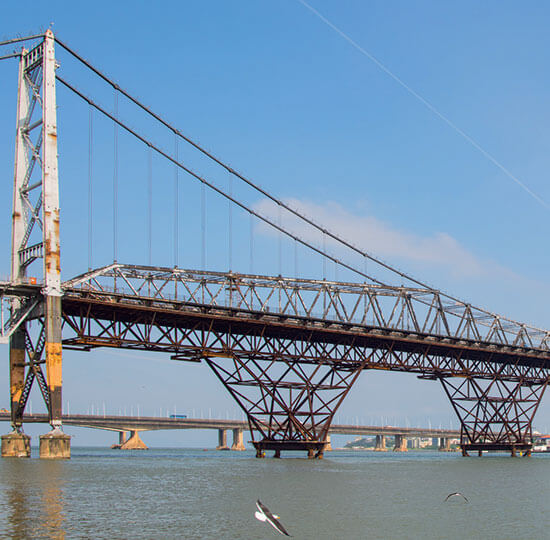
[270,88]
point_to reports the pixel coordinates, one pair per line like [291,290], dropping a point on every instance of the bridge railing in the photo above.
[420,311]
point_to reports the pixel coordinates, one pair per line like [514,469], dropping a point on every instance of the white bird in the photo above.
[456,494]
[265,515]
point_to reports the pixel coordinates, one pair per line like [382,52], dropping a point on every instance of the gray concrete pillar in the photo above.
[238,443]
[222,440]
[328,446]
[121,437]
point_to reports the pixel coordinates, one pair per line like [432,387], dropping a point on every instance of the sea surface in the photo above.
[174,493]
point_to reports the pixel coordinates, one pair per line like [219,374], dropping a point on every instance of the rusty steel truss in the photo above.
[289,367]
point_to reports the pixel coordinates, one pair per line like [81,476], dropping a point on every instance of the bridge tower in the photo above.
[35,235]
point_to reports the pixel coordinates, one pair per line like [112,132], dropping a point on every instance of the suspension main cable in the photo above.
[249,182]
[6,56]
[205,182]
[19,39]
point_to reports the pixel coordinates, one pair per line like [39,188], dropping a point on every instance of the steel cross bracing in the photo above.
[402,312]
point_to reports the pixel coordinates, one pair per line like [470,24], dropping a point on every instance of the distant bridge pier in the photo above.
[222,440]
[238,443]
[400,444]
[121,440]
[134,442]
[380,444]
[444,444]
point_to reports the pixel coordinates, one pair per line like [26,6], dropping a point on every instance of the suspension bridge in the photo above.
[288,348]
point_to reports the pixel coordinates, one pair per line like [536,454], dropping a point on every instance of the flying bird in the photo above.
[457,494]
[264,514]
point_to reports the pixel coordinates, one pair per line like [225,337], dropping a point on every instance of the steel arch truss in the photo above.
[495,413]
[289,405]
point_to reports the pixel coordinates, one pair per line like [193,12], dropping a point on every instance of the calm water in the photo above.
[197,494]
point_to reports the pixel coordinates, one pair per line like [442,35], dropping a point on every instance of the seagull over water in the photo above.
[264,514]
[456,494]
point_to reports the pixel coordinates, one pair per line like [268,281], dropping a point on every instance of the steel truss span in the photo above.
[289,350]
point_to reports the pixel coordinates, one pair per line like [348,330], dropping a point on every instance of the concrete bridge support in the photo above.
[222,440]
[55,445]
[16,444]
[400,444]
[238,443]
[380,445]
[134,442]
[328,446]
[444,444]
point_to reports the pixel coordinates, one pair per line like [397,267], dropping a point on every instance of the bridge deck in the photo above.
[184,315]
[130,423]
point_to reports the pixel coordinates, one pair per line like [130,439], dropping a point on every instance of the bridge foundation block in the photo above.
[380,444]
[55,445]
[16,444]
[328,446]
[238,444]
[222,440]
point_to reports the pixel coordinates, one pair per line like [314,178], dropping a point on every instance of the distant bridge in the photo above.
[134,424]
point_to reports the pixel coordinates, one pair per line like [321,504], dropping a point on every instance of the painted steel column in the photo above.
[17,340]
[52,267]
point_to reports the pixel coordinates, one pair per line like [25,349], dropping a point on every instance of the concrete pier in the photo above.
[222,440]
[55,445]
[328,446]
[16,444]
[238,443]
[380,445]
[444,444]
[400,444]
[134,442]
